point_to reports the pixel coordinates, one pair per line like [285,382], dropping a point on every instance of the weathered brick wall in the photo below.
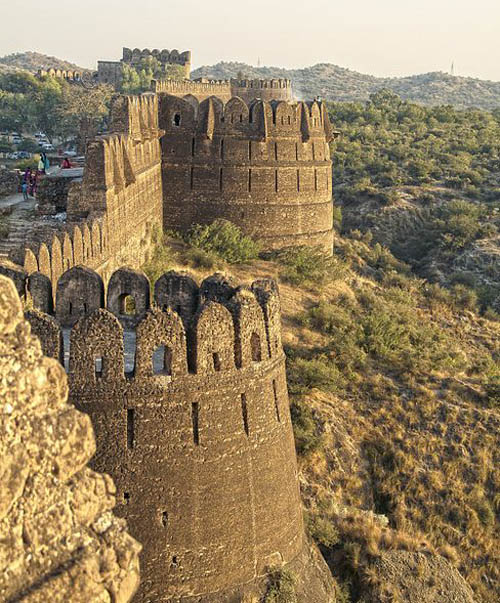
[58,539]
[266,90]
[248,90]
[264,166]
[192,422]
[200,90]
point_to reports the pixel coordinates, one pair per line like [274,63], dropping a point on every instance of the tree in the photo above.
[82,111]
[45,106]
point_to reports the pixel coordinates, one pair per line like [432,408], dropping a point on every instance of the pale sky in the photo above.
[379,37]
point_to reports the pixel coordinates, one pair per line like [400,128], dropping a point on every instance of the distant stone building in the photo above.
[111,72]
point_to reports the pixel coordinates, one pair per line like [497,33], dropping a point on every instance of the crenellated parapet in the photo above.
[267,90]
[69,75]
[163,56]
[262,165]
[188,398]
[248,90]
[136,116]
[200,89]
[200,314]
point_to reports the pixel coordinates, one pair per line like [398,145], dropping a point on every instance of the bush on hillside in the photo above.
[281,587]
[224,239]
[307,433]
[310,266]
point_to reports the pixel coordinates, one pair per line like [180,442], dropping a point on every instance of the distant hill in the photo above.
[340,84]
[33,61]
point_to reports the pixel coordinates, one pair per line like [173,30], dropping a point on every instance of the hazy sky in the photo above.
[381,37]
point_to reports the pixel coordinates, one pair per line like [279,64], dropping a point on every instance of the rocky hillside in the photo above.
[33,61]
[339,84]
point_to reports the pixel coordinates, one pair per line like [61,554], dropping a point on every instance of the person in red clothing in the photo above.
[66,164]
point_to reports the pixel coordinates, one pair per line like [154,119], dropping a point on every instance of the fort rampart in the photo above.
[188,399]
[248,90]
[108,220]
[65,74]
[265,166]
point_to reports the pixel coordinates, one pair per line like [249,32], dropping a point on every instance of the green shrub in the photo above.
[224,239]
[308,438]
[492,389]
[464,298]
[161,260]
[281,587]
[199,258]
[311,266]
[320,372]
[322,530]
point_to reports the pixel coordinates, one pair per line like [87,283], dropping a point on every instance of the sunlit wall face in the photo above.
[386,37]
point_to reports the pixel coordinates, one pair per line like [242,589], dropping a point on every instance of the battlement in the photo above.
[248,90]
[64,74]
[136,116]
[267,90]
[262,84]
[202,330]
[200,89]
[164,56]
[258,119]
[264,165]
[188,398]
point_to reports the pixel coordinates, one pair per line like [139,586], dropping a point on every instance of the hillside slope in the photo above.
[33,61]
[336,83]
[395,391]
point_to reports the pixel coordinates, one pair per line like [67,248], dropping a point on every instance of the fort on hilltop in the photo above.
[187,393]
[110,72]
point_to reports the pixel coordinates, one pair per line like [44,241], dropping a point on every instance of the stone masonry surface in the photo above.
[264,166]
[59,541]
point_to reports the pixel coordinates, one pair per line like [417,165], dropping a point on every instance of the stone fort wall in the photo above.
[248,90]
[265,166]
[113,212]
[175,162]
[189,403]
[110,72]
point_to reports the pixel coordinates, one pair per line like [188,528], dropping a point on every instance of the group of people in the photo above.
[31,177]
[30,183]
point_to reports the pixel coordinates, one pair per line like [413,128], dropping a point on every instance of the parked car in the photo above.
[24,155]
[70,153]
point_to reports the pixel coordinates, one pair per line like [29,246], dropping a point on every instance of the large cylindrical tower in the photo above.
[189,403]
[265,166]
